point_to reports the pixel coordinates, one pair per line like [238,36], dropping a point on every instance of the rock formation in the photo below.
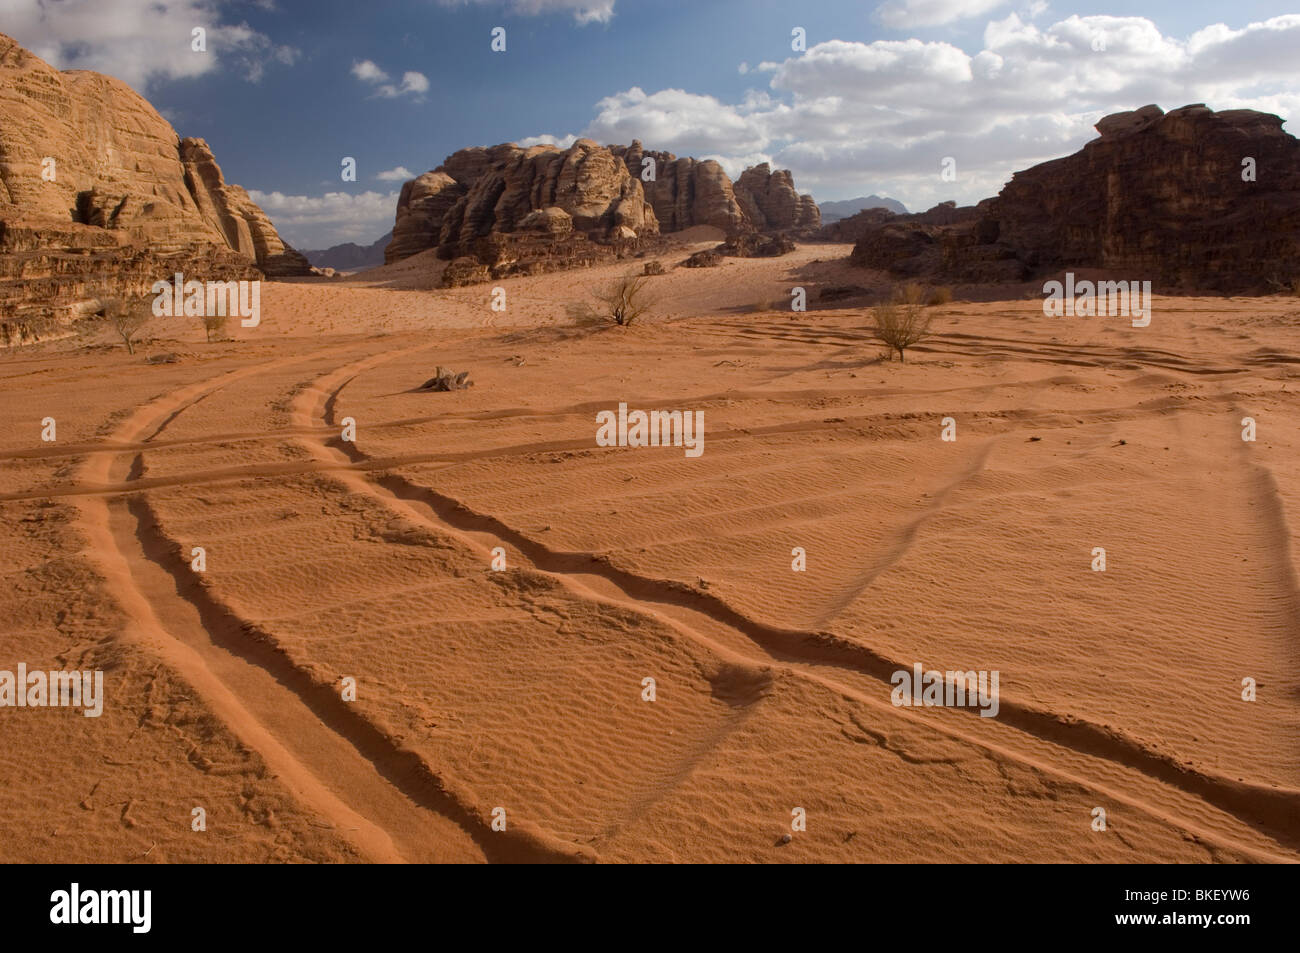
[685,192]
[100,197]
[853,227]
[478,192]
[1165,197]
[589,190]
[770,202]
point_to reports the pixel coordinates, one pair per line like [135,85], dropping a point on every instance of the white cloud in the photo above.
[320,221]
[368,72]
[140,41]
[909,14]
[674,120]
[584,11]
[849,118]
[413,84]
[544,140]
[399,174]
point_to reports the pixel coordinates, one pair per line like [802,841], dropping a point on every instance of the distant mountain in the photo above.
[834,211]
[350,256]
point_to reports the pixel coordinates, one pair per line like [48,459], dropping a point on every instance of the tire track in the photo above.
[1271,811]
[392,803]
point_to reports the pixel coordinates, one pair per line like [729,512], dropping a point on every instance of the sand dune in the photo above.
[522,689]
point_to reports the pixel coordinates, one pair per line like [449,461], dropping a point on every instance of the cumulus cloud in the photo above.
[141,41]
[413,84]
[674,119]
[563,142]
[320,221]
[850,118]
[910,14]
[583,11]
[399,174]
[368,72]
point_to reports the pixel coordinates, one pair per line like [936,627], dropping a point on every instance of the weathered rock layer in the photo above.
[614,193]
[100,197]
[1190,199]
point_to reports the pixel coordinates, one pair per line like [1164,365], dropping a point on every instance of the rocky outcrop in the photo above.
[479,191]
[853,227]
[684,192]
[1165,197]
[755,245]
[598,191]
[771,204]
[687,192]
[99,196]
[236,217]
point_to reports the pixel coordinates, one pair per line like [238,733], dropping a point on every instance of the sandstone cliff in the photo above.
[770,202]
[1158,196]
[685,192]
[482,191]
[478,192]
[100,197]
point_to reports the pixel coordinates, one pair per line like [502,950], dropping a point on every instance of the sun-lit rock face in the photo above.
[601,189]
[99,196]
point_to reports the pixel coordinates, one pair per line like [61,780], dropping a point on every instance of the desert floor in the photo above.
[522,689]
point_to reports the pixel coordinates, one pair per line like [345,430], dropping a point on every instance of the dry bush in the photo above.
[214,325]
[626,299]
[910,293]
[901,325]
[127,316]
[655,267]
[940,295]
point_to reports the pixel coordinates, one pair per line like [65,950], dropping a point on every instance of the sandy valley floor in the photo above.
[522,689]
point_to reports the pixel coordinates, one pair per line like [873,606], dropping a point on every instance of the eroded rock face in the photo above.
[479,191]
[100,197]
[239,220]
[770,202]
[509,189]
[1162,196]
[684,192]
[1158,196]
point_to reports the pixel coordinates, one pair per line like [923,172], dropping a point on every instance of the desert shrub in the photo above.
[910,293]
[625,300]
[653,268]
[940,295]
[901,325]
[214,326]
[127,316]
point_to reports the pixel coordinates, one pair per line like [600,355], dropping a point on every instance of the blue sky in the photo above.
[883,92]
